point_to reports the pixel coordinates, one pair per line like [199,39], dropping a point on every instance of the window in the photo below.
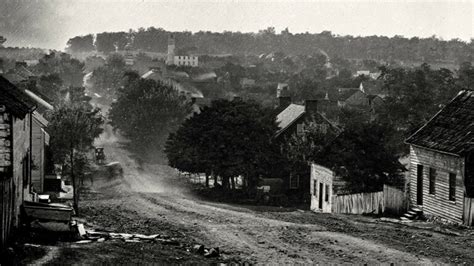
[432,187]
[24,170]
[452,187]
[315,187]
[294,181]
[326,198]
[299,129]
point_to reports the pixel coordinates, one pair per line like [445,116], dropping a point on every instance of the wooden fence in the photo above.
[395,201]
[391,201]
[6,209]
[468,215]
[358,203]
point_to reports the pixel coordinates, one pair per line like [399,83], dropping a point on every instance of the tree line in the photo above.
[378,48]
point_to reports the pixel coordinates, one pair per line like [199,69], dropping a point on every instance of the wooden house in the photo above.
[442,162]
[321,188]
[325,184]
[16,110]
[294,120]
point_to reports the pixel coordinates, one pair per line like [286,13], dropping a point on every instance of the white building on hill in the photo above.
[179,60]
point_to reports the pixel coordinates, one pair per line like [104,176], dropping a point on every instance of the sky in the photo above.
[50,23]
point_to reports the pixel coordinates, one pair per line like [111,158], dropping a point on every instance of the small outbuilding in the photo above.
[442,162]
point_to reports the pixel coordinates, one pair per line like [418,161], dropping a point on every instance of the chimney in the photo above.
[311,106]
[284,101]
[283,95]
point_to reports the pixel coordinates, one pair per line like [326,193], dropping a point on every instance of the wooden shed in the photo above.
[442,162]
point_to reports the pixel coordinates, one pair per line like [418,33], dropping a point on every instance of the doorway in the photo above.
[419,184]
[321,186]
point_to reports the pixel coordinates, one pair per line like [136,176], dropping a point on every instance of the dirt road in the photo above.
[154,199]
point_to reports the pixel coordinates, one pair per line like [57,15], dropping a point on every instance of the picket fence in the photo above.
[391,201]
[358,203]
[468,215]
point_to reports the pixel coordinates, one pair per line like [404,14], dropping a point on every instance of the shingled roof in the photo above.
[16,101]
[292,113]
[451,130]
[288,116]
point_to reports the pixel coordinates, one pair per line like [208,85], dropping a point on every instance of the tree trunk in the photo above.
[232,180]
[215,179]
[225,182]
[207,180]
[75,193]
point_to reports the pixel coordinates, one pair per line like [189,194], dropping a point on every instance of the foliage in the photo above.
[414,96]
[81,44]
[466,76]
[228,138]
[108,78]
[63,65]
[146,111]
[73,128]
[361,155]
[310,146]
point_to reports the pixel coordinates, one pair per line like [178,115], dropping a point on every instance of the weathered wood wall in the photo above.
[37,152]
[359,203]
[438,204]
[7,194]
[468,215]
[321,175]
[395,201]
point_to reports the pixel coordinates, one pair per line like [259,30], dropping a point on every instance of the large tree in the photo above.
[415,95]
[228,139]
[108,78]
[62,64]
[73,128]
[146,111]
[363,155]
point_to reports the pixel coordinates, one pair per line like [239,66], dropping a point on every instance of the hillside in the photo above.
[380,48]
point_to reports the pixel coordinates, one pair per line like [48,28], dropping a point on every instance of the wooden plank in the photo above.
[468,212]
[358,203]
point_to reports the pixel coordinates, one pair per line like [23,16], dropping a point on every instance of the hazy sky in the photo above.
[50,23]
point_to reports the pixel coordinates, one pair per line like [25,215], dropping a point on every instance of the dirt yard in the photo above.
[153,199]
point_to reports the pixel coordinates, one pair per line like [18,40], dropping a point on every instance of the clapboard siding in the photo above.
[439,203]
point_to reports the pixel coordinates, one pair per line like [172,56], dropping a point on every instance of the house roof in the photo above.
[150,74]
[292,113]
[451,130]
[14,99]
[39,100]
[289,115]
